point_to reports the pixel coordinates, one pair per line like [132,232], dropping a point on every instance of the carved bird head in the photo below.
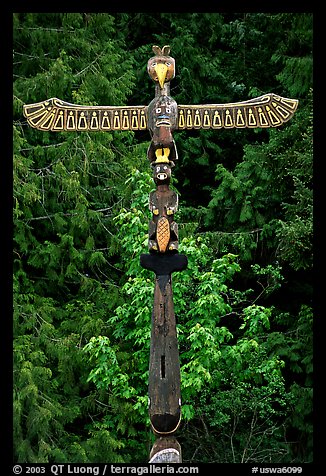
[161,67]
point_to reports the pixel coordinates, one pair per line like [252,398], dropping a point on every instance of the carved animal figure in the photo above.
[163,203]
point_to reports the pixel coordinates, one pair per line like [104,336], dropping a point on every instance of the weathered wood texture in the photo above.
[164,368]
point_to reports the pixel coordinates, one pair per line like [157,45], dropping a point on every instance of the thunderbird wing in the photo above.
[57,115]
[269,110]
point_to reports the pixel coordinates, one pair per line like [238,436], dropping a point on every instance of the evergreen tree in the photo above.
[67,271]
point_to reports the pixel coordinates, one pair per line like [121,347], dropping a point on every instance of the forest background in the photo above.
[82,304]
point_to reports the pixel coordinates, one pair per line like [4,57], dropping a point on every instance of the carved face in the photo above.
[163,111]
[161,69]
[162,174]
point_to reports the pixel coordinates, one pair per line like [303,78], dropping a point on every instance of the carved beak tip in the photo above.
[161,70]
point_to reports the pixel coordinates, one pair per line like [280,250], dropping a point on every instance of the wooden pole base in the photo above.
[164,367]
[166,449]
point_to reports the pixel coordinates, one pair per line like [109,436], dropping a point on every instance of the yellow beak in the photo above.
[162,155]
[161,70]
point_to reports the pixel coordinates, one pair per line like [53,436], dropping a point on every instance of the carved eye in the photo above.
[168,109]
[158,110]
[153,65]
[165,167]
[157,169]
[168,64]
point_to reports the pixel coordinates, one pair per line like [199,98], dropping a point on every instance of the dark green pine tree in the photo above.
[67,266]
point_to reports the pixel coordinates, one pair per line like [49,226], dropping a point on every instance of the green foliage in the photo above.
[296,74]
[265,213]
[229,379]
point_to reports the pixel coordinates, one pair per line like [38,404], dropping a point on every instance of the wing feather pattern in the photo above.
[57,115]
[269,110]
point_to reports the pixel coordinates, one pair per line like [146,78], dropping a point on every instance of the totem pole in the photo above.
[161,117]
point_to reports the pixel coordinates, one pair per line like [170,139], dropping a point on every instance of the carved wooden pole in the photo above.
[164,368]
[161,117]
[163,259]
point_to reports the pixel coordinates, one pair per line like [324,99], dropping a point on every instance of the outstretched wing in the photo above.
[269,110]
[56,115]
